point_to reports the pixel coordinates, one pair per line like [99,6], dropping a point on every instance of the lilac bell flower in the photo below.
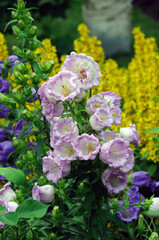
[115,181]
[4,86]
[140,178]
[115,153]
[107,135]
[95,102]
[51,109]
[63,129]
[87,147]
[54,169]
[86,70]
[44,193]
[6,193]
[101,118]
[130,134]
[61,87]
[134,195]
[128,214]
[111,98]
[65,150]
[128,166]
[6,148]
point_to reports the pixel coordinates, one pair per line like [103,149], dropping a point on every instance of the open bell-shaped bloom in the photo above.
[44,193]
[130,134]
[101,118]
[86,70]
[6,193]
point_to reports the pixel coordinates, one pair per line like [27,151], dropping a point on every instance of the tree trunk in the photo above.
[110,21]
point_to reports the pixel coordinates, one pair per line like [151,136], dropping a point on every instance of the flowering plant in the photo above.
[72,167]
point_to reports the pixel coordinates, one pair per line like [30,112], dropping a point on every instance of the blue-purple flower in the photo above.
[128,214]
[3,110]
[4,85]
[13,59]
[140,178]
[6,148]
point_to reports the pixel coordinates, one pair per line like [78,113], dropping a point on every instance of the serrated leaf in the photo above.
[31,208]
[13,175]
[10,218]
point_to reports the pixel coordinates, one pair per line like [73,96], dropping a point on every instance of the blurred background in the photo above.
[58,20]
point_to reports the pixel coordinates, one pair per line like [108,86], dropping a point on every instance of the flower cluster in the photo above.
[3,48]
[69,138]
[140,81]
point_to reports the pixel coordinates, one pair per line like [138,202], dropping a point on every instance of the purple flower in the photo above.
[130,134]
[63,129]
[65,150]
[13,59]
[154,186]
[3,111]
[115,181]
[61,87]
[2,134]
[1,67]
[35,97]
[54,169]
[6,148]
[140,178]
[134,195]
[111,98]
[115,153]
[6,193]
[95,102]
[86,70]
[4,85]
[107,135]
[87,147]
[128,166]
[128,214]
[43,194]
[51,109]
[116,114]
[101,118]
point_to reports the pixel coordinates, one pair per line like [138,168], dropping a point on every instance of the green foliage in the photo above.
[13,175]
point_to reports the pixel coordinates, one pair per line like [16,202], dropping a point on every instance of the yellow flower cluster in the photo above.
[91,46]
[137,85]
[3,48]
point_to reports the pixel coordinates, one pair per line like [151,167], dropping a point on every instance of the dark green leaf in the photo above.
[13,175]
[12,21]
[31,208]
[10,218]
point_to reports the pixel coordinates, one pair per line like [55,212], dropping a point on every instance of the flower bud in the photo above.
[141,225]
[48,66]
[6,193]
[154,236]
[42,181]
[16,30]
[33,30]
[17,95]
[19,164]
[154,207]
[43,194]
[15,141]
[21,23]
[12,206]
[27,115]
[22,68]
[17,51]
[34,78]
[115,203]
[20,78]
[21,4]
[56,214]
[29,55]
[53,236]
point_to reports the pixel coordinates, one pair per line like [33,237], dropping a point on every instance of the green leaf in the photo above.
[14,67]
[152,169]
[13,175]
[31,208]
[12,21]
[2,209]
[152,130]
[10,218]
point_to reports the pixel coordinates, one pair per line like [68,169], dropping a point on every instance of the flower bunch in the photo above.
[73,136]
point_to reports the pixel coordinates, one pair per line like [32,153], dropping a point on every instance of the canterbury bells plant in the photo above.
[82,130]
